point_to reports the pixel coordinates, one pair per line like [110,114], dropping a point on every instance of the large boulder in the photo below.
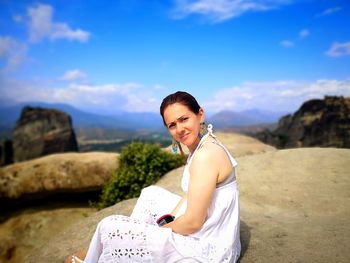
[294,208]
[56,173]
[324,123]
[39,132]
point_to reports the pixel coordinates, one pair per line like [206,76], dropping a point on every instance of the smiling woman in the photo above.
[202,226]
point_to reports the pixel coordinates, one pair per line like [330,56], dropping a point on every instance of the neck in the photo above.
[193,147]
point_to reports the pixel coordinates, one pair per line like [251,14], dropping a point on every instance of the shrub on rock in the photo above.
[140,165]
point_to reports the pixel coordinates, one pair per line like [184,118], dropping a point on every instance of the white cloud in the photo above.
[278,95]
[329,11]
[72,75]
[106,98]
[287,43]
[284,96]
[221,10]
[304,33]
[12,52]
[17,18]
[109,97]
[339,49]
[42,26]
[158,87]
[5,45]
[142,101]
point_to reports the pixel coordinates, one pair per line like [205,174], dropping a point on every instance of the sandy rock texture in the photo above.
[74,236]
[295,205]
[238,144]
[241,145]
[31,229]
[68,172]
[294,208]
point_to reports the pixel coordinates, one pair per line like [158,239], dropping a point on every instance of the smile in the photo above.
[184,137]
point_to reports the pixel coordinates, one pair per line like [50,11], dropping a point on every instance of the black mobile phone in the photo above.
[165,219]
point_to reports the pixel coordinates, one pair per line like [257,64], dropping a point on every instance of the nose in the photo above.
[179,128]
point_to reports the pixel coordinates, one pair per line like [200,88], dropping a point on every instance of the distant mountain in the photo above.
[85,122]
[265,116]
[124,120]
[227,119]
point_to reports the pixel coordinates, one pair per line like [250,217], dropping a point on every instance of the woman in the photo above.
[206,219]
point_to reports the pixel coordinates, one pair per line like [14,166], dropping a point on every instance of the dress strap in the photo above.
[186,174]
[210,133]
[210,130]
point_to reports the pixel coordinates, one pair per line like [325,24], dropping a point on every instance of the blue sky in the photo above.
[126,55]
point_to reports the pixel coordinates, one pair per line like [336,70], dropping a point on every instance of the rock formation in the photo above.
[39,132]
[324,123]
[54,174]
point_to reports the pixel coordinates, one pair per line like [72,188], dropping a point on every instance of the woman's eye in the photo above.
[171,126]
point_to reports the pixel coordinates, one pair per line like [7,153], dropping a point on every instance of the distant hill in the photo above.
[130,125]
[97,132]
[122,121]
[136,120]
[230,119]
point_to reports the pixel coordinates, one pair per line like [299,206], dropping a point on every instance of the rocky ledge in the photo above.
[294,208]
[56,173]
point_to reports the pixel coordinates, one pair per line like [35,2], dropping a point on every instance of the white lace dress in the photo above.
[139,239]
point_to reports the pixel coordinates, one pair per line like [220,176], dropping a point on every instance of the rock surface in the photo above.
[56,173]
[238,144]
[323,123]
[294,208]
[40,132]
[31,230]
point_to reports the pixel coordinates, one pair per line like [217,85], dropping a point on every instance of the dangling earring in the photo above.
[174,146]
[203,130]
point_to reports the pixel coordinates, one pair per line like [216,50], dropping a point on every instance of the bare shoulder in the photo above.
[211,163]
[210,153]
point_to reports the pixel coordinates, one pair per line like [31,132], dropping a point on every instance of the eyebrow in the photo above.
[181,117]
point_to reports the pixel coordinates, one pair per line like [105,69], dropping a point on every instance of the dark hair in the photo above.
[181,97]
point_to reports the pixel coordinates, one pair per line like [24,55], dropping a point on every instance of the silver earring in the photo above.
[203,130]
[174,146]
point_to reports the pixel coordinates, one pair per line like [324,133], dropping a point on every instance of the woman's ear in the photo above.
[201,114]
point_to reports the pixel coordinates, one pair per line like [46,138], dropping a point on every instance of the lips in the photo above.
[184,137]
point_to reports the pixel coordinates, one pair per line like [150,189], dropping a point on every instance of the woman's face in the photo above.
[183,124]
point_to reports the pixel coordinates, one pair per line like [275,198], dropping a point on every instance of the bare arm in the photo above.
[177,207]
[204,173]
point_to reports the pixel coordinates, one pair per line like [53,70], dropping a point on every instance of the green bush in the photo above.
[140,165]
